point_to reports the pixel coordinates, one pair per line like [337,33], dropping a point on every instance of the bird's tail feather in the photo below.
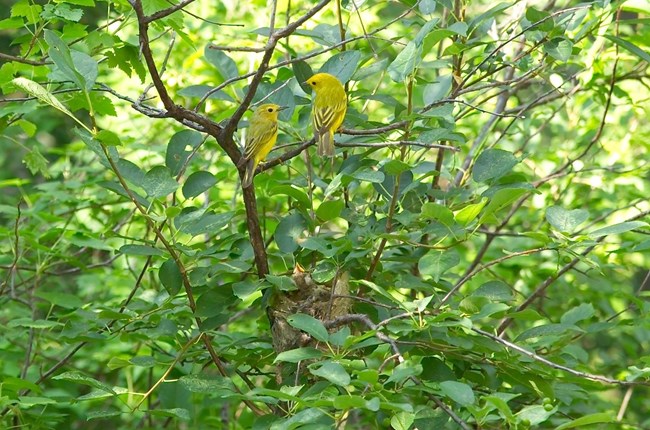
[248,174]
[326,144]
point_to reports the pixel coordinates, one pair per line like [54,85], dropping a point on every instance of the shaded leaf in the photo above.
[566,220]
[171,277]
[333,372]
[197,183]
[492,164]
[459,392]
[310,325]
[158,182]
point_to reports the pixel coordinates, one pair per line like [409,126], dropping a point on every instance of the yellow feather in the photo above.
[328,110]
[260,138]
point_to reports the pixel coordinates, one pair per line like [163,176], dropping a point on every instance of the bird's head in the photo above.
[269,111]
[323,80]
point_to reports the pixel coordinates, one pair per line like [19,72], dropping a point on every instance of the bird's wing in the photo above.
[254,143]
[326,116]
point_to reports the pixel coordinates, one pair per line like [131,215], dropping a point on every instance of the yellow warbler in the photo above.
[328,110]
[260,138]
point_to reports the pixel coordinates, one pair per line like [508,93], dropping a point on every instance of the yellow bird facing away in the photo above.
[260,138]
[328,110]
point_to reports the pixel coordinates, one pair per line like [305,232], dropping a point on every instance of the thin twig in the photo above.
[584,375]
[395,143]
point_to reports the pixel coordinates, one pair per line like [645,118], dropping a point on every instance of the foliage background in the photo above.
[502,284]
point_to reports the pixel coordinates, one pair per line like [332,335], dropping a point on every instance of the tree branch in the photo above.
[23,60]
[584,375]
[166,12]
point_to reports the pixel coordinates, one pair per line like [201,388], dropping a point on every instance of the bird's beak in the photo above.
[281,108]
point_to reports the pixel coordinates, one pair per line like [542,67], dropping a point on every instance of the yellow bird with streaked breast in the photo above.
[260,138]
[328,110]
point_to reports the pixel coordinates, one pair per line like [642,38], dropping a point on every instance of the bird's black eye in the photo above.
[270,109]
[313,82]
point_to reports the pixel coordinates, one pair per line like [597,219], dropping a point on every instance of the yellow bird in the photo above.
[260,138]
[328,110]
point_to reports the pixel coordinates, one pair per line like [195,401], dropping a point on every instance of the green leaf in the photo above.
[469,213]
[65,300]
[494,290]
[63,10]
[459,392]
[425,30]
[566,220]
[28,127]
[197,183]
[29,401]
[90,3]
[225,65]
[438,212]
[289,190]
[559,48]
[427,7]
[342,65]
[579,313]
[80,378]
[245,288]
[369,175]
[333,372]
[402,420]
[544,19]
[534,414]
[180,413]
[283,283]
[143,361]
[546,330]
[396,167]
[140,250]
[501,199]
[35,90]
[404,371]
[302,71]
[437,90]
[299,354]
[28,322]
[346,402]
[597,418]
[29,11]
[77,66]
[130,171]
[108,138]
[289,231]
[310,325]
[179,149]
[435,263]
[204,385]
[170,276]
[405,63]
[305,419]
[643,55]
[618,228]
[195,222]
[36,163]
[492,164]
[212,303]
[158,182]
[330,210]
[102,414]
